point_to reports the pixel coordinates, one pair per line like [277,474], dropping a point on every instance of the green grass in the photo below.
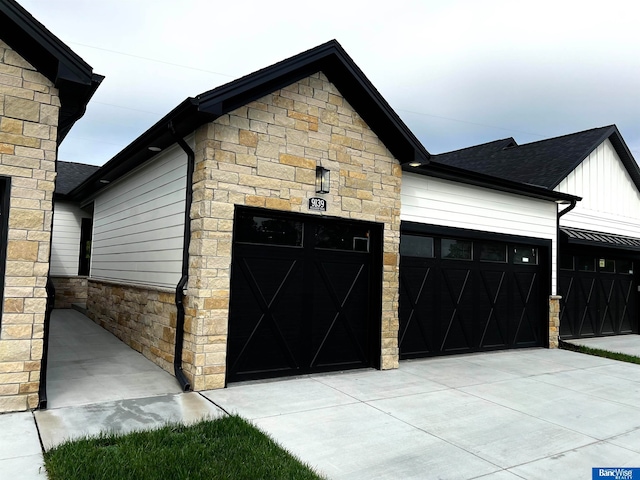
[623,357]
[225,448]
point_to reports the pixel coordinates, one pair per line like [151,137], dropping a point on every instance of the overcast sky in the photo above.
[457,72]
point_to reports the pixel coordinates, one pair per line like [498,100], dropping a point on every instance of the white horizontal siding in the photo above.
[138,224]
[445,203]
[610,200]
[65,241]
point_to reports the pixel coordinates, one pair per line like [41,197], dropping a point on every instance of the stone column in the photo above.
[554,320]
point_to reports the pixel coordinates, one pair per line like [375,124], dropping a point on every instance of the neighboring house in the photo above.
[599,261]
[275,272]
[71,242]
[44,88]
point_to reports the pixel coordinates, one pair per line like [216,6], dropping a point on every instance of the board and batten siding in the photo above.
[445,203]
[138,224]
[610,200]
[65,241]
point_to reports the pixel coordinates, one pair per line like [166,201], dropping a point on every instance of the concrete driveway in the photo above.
[534,414]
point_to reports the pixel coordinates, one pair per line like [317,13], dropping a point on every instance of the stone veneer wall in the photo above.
[29,107]
[69,290]
[142,317]
[264,154]
[554,320]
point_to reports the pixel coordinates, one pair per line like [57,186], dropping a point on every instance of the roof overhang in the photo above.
[446,172]
[71,75]
[577,236]
[329,58]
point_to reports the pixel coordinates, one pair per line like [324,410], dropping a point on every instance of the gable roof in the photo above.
[71,75]
[329,58]
[545,163]
[70,175]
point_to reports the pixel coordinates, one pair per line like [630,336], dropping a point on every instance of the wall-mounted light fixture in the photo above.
[322,180]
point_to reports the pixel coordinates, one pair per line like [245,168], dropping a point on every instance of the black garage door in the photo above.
[599,294]
[461,295]
[305,295]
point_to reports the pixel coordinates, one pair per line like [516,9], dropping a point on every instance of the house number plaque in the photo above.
[318,204]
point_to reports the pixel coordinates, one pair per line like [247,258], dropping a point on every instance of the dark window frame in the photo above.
[86,234]
[5,201]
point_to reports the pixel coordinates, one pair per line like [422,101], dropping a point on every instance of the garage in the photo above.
[305,295]
[598,284]
[463,291]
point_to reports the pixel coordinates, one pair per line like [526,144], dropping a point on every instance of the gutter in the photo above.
[184,382]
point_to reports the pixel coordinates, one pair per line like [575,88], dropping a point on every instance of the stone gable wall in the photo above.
[29,107]
[265,154]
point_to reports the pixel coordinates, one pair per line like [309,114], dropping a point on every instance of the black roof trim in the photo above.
[329,58]
[73,77]
[460,175]
[579,236]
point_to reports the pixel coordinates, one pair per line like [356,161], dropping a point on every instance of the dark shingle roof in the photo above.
[71,174]
[545,163]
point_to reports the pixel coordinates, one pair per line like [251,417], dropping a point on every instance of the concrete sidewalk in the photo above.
[629,344]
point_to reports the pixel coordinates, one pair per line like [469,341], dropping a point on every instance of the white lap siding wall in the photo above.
[136,259]
[65,243]
[445,203]
[138,224]
[610,203]
[65,254]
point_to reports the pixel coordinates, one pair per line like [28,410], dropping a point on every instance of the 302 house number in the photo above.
[316,203]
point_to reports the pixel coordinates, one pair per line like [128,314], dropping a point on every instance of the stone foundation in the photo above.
[70,290]
[554,320]
[142,317]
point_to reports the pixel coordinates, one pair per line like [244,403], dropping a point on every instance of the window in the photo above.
[525,255]
[566,262]
[338,236]
[416,246]
[457,249]
[607,265]
[268,230]
[625,267]
[85,247]
[585,264]
[493,252]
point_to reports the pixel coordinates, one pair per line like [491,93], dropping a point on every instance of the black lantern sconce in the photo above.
[322,180]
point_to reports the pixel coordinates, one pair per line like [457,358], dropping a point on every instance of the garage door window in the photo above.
[342,237]
[457,249]
[566,262]
[585,264]
[416,246]
[525,256]
[607,265]
[493,252]
[268,230]
[625,267]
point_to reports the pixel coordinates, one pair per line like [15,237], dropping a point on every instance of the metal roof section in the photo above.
[588,237]
[328,58]
[71,75]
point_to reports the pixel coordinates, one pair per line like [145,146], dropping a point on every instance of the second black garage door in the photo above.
[305,295]
[460,294]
